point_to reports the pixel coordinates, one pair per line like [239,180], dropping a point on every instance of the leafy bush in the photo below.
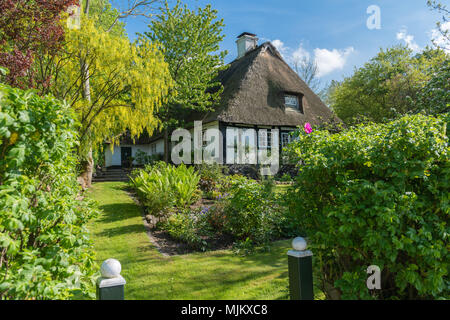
[377,195]
[154,191]
[183,227]
[45,252]
[286,178]
[142,158]
[162,187]
[215,215]
[251,212]
[210,177]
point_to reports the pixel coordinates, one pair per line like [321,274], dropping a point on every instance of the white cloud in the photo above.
[329,61]
[280,47]
[439,39]
[409,39]
[300,53]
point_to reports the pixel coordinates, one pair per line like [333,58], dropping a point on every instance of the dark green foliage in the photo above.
[213,181]
[184,226]
[386,87]
[377,195]
[434,98]
[45,252]
[252,212]
[210,175]
[142,158]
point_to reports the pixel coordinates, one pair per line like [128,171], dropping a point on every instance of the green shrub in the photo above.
[215,215]
[162,187]
[142,158]
[251,212]
[211,176]
[183,226]
[286,178]
[269,185]
[45,252]
[154,191]
[377,195]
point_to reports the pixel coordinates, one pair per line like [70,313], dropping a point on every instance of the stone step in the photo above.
[112,174]
[110,180]
[118,175]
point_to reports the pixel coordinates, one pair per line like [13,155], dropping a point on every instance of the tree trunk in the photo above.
[87,165]
[87,168]
[166,145]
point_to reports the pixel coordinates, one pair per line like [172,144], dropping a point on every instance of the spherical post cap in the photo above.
[110,268]
[299,244]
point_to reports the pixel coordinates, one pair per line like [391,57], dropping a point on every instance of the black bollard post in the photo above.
[300,271]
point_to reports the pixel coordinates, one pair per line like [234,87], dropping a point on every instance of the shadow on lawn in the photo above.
[117,211]
[204,278]
[122,187]
[119,231]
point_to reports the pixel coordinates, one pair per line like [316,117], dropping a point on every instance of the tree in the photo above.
[326,93]
[54,68]
[442,41]
[434,98]
[308,70]
[385,87]
[30,29]
[190,42]
[127,83]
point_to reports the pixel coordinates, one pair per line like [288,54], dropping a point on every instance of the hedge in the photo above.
[376,195]
[45,252]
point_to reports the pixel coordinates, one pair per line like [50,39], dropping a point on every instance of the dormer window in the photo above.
[291,101]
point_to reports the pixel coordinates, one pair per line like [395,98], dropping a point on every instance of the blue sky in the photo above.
[332,32]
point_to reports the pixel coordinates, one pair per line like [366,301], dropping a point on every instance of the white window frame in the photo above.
[289,100]
[289,138]
[265,139]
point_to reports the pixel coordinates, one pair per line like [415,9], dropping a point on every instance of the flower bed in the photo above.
[222,211]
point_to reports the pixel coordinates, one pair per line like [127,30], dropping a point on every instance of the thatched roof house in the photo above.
[261,92]
[255,87]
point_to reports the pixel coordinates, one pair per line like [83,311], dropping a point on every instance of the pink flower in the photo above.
[308,128]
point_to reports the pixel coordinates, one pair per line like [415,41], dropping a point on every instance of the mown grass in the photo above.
[119,233]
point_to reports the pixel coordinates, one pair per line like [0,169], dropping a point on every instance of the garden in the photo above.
[372,189]
[374,194]
[205,209]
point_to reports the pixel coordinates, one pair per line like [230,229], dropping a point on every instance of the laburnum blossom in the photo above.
[308,129]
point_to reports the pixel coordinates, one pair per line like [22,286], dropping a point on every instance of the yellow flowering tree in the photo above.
[128,82]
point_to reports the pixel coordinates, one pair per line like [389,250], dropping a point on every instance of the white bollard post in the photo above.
[111,285]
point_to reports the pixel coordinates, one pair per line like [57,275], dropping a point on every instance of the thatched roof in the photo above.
[254,89]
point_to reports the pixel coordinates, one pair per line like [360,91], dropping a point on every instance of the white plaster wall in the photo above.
[159,146]
[112,158]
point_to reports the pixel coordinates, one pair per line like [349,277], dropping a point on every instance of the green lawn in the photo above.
[119,233]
